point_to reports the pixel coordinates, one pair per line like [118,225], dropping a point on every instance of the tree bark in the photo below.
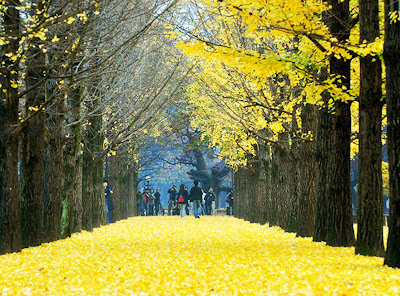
[308,186]
[78,202]
[284,183]
[324,148]
[87,188]
[54,176]
[391,55]
[264,183]
[10,224]
[71,154]
[115,179]
[32,153]
[339,219]
[370,190]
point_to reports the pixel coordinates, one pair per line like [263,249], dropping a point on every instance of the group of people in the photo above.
[150,203]
[203,202]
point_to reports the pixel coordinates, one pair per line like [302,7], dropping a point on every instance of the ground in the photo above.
[208,256]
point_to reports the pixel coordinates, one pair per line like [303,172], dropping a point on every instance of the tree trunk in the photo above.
[308,189]
[115,179]
[94,213]
[339,219]
[324,148]
[32,147]
[32,153]
[78,202]
[10,224]
[54,176]
[340,230]
[370,190]
[391,55]
[284,173]
[264,184]
[71,155]
[87,188]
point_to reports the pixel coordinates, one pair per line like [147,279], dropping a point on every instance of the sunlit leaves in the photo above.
[207,256]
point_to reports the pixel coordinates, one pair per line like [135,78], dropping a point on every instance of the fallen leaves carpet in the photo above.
[208,256]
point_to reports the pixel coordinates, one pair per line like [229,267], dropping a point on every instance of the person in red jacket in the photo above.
[182,199]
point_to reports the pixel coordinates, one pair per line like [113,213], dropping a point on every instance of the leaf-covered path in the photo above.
[207,256]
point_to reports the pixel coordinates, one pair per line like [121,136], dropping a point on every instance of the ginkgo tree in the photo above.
[311,44]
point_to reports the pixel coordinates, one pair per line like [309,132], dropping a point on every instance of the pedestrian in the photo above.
[210,198]
[172,199]
[229,202]
[182,199]
[151,200]
[195,196]
[157,201]
[109,201]
[139,198]
[187,208]
[203,202]
[145,202]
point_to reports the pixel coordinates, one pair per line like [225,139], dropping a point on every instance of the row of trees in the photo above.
[285,89]
[81,82]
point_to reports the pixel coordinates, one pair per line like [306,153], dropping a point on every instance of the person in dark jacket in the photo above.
[195,196]
[109,202]
[145,202]
[229,201]
[172,199]
[151,201]
[158,200]
[183,197]
[210,198]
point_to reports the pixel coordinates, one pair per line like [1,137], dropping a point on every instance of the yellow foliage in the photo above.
[207,256]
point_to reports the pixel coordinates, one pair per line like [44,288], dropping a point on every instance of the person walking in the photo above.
[195,196]
[145,202]
[229,202]
[151,201]
[182,199]
[139,198]
[210,198]
[172,199]
[109,202]
[158,200]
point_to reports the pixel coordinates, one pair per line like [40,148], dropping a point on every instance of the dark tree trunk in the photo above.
[71,154]
[134,208]
[339,219]
[32,147]
[340,230]
[240,193]
[87,188]
[115,179]
[53,178]
[32,153]
[308,186]
[264,183]
[10,224]
[94,213]
[99,202]
[78,202]
[391,55]
[324,148]
[284,183]
[370,190]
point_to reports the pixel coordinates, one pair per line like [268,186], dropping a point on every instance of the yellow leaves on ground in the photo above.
[207,256]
